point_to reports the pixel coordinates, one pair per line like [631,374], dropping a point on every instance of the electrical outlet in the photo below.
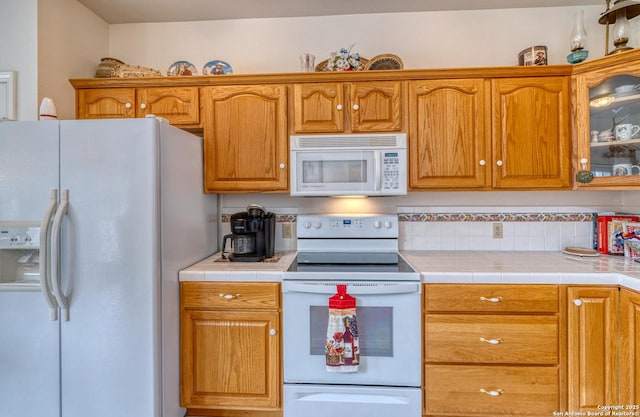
[497,231]
[286,230]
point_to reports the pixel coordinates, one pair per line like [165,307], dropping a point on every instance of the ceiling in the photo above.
[140,11]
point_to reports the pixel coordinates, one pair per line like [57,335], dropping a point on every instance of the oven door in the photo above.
[348,172]
[388,315]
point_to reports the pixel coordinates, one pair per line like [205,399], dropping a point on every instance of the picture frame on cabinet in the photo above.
[7,95]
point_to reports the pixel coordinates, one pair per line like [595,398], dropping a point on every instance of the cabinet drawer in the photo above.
[491,339]
[230,296]
[492,298]
[461,389]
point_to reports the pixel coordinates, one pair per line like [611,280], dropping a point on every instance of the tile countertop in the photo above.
[471,267]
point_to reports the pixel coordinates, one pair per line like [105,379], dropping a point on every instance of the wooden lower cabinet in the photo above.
[491,390]
[230,349]
[492,350]
[629,347]
[592,347]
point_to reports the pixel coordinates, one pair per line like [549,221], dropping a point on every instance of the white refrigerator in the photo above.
[135,215]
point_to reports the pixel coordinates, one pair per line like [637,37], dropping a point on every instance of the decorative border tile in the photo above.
[465,217]
[495,217]
[280,218]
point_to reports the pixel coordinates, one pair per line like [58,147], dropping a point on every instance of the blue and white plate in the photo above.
[184,68]
[217,67]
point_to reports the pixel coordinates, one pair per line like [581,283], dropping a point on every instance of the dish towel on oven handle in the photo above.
[342,350]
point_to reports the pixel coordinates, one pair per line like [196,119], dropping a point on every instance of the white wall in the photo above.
[18,51]
[422,40]
[71,41]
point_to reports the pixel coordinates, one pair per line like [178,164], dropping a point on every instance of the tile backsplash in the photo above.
[448,229]
[455,228]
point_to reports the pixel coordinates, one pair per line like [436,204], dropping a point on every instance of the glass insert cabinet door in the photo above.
[614,129]
[607,122]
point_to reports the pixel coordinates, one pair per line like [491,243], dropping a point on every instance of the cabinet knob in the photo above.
[577,302]
[491,299]
[493,392]
[272,332]
[482,162]
[282,165]
[499,163]
[143,106]
[228,296]
[127,105]
[339,107]
[491,341]
[356,107]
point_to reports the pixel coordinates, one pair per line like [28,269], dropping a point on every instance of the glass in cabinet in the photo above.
[614,108]
[608,123]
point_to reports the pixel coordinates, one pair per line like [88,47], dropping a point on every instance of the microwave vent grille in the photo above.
[348,142]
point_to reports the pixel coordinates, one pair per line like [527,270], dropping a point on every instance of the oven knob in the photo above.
[317,225]
[307,224]
[377,224]
[387,224]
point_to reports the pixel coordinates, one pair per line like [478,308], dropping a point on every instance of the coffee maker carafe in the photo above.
[252,235]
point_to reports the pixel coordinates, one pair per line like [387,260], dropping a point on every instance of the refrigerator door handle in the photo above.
[55,255]
[45,267]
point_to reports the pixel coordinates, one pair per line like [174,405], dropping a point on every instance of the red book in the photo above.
[603,230]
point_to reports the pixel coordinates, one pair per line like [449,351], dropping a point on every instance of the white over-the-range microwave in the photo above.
[349,165]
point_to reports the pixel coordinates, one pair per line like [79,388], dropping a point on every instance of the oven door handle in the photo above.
[377,174]
[353,289]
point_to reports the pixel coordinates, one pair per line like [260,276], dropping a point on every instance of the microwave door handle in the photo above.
[377,171]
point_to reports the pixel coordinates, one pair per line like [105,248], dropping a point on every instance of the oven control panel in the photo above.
[338,226]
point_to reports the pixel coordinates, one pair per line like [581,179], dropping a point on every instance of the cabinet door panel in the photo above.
[229,359]
[106,103]
[448,135]
[592,347]
[318,108]
[531,133]
[178,105]
[245,147]
[630,347]
[376,106]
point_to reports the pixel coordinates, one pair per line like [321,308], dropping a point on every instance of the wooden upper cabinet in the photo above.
[347,107]
[245,138]
[592,347]
[531,132]
[179,105]
[106,103]
[448,134]
[376,106]
[318,108]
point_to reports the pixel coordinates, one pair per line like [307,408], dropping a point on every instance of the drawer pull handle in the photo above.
[491,299]
[494,392]
[229,296]
[491,341]
[273,332]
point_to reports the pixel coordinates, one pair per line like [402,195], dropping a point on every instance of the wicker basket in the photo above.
[322,67]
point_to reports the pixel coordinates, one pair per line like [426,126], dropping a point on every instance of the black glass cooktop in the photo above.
[349,262]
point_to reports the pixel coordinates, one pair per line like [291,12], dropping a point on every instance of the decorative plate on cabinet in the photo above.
[384,62]
[183,68]
[217,67]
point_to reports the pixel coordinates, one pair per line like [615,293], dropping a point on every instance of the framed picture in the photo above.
[7,95]
[535,55]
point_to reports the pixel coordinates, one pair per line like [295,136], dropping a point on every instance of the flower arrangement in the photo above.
[344,61]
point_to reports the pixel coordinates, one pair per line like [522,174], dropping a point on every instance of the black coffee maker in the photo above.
[253,234]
